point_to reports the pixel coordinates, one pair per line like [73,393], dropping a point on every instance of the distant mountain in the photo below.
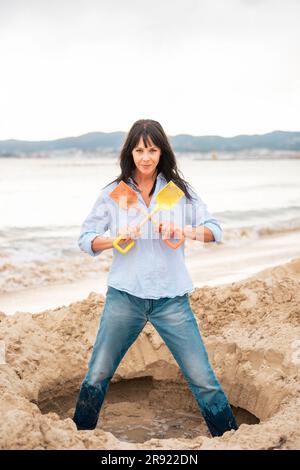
[112,141]
[277,140]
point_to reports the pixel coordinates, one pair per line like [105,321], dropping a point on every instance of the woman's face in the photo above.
[146,158]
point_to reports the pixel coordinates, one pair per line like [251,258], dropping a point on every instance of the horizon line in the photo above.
[169,135]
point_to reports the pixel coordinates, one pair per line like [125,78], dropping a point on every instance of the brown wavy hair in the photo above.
[167,164]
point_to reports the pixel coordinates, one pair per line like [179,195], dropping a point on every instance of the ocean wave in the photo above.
[265,213]
[18,276]
[263,230]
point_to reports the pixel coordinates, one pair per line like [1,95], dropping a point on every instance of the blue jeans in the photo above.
[124,317]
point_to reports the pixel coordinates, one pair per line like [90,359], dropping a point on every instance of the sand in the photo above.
[251,329]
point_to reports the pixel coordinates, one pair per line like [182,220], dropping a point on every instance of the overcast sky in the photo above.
[201,67]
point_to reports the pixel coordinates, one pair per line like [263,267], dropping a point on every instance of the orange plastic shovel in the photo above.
[166,198]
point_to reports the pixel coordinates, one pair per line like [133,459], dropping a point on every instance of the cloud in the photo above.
[203,66]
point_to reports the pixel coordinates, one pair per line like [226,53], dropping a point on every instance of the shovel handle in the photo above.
[119,248]
[116,242]
[168,242]
[175,245]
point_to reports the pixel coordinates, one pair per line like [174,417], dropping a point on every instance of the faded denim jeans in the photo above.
[124,317]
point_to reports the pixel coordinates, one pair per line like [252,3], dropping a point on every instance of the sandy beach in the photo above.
[251,329]
[246,301]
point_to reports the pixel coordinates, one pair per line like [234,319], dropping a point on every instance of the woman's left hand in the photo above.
[169,230]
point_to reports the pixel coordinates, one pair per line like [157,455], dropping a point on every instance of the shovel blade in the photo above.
[123,195]
[169,195]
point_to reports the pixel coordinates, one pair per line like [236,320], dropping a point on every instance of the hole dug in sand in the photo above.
[160,405]
[136,410]
[252,343]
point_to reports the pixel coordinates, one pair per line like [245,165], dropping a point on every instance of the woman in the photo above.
[150,282]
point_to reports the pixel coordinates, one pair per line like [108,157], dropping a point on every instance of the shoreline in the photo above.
[208,265]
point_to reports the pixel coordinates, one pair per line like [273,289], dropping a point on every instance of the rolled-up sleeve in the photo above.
[94,225]
[201,216]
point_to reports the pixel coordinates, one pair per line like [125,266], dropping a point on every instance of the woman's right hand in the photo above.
[129,232]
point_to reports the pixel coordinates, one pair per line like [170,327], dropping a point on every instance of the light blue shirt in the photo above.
[150,269]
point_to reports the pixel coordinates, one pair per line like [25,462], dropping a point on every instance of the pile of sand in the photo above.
[252,332]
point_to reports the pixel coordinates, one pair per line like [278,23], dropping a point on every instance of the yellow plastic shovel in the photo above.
[166,198]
